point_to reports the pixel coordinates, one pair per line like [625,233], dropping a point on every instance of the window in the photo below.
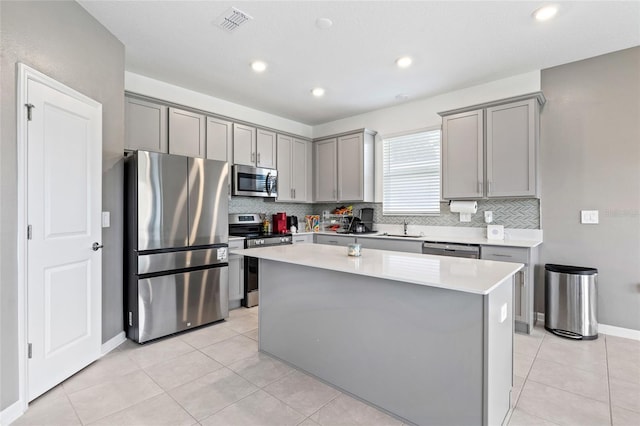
[411,174]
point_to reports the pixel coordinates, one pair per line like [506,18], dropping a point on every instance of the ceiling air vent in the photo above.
[231,19]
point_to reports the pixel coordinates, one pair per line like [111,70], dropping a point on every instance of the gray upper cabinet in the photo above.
[511,149]
[462,155]
[326,170]
[219,139]
[187,133]
[344,167]
[145,126]
[254,147]
[266,149]
[490,150]
[351,167]
[244,145]
[293,169]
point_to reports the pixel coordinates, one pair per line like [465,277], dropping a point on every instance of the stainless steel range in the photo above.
[249,226]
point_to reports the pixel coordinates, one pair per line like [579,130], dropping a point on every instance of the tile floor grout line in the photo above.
[229,405]
[524,382]
[606,360]
[71,403]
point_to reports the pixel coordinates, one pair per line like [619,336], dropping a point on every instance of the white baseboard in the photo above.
[12,413]
[113,343]
[611,330]
[627,333]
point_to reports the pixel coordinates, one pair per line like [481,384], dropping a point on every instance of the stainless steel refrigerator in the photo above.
[176,242]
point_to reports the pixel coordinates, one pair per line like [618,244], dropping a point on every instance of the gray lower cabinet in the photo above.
[302,238]
[523,291]
[407,246]
[145,126]
[236,272]
[334,240]
[187,133]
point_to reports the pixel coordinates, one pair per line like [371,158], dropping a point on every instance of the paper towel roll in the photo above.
[463,207]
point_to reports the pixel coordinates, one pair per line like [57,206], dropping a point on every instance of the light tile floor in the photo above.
[215,376]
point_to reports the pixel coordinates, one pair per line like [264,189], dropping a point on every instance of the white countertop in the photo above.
[235,238]
[467,275]
[469,239]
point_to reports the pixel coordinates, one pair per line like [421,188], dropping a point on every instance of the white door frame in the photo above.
[24,74]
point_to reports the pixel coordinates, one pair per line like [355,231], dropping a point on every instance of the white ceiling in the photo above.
[454,45]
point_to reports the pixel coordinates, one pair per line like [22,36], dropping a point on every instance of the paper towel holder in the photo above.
[465,208]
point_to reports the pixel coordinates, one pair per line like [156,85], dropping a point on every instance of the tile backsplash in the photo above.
[259,205]
[512,213]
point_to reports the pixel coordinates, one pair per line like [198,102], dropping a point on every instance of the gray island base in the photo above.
[425,353]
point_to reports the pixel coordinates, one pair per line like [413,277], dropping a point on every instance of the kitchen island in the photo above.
[427,338]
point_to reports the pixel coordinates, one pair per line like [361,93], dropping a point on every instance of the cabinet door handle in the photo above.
[294,193]
[253,157]
[489,188]
[480,187]
[258,158]
[502,255]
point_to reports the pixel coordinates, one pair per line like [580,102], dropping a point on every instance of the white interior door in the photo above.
[64,173]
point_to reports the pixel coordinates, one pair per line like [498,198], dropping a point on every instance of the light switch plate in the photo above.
[488,216]
[589,216]
[106,219]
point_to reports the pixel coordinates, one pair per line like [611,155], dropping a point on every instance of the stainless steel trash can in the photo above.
[570,302]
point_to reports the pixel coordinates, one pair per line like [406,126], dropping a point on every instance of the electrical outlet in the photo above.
[503,313]
[488,217]
[589,217]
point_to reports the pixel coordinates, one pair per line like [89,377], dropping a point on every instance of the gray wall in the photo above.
[63,41]
[590,133]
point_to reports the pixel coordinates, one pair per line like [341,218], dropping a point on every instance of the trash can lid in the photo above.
[575,270]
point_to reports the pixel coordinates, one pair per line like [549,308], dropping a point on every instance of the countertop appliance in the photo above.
[279,223]
[176,235]
[292,221]
[471,251]
[251,181]
[249,226]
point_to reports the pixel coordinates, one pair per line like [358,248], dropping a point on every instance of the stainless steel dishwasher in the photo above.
[470,251]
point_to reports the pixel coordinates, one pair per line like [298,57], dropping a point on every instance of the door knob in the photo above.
[96,246]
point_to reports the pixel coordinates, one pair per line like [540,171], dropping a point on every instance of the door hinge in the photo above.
[29,108]
[29,232]
[130,319]
[30,351]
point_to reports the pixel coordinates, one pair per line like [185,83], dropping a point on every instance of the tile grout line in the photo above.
[606,358]
[70,403]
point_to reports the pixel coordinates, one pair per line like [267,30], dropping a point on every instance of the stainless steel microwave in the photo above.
[254,181]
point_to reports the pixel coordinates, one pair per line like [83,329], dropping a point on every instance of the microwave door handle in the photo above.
[267,183]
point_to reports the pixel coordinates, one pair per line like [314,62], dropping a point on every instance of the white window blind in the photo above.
[411,174]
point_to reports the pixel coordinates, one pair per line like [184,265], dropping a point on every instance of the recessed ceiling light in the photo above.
[258,66]
[324,23]
[404,61]
[317,92]
[545,12]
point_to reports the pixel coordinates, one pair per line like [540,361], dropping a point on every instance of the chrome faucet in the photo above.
[405,226]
